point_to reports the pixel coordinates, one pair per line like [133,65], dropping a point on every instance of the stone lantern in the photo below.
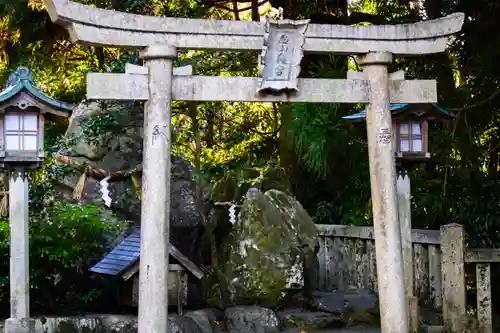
[23,111]
[410,130]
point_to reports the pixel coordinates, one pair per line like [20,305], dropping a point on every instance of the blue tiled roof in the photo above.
[122,256]
[23,80]
[362,114]
[394,108]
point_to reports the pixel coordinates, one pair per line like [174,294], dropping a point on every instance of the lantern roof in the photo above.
[399,109]
[21,83]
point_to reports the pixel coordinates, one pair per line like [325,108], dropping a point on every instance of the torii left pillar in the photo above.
[155,211]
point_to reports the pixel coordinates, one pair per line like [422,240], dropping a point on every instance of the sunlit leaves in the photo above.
[8,36]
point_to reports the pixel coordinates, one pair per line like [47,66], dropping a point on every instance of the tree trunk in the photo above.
[207,225]
[255,11]
[235,10]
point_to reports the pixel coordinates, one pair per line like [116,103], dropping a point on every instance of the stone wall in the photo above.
[192,322]
[200,321]
[65,325]
[332,310]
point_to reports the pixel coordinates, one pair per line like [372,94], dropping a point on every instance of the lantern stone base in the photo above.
[23,325]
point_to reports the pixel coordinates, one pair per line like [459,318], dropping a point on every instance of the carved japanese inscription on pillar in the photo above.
[281,55]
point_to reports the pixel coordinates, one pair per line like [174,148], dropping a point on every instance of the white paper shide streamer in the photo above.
[232,214]
[105,192]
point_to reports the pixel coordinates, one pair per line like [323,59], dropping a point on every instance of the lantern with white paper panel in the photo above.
[410,129]
[23,111]
[21,132]
[411,137]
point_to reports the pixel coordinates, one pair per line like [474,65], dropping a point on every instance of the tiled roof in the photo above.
[122,256]
[22,80]
[394,108]
[127,253]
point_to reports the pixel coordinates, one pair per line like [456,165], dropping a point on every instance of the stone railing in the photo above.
[347,259]
[455,257]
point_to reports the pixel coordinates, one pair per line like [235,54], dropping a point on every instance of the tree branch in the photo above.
[220,5]
[475,105]
[252,129]
[97,173]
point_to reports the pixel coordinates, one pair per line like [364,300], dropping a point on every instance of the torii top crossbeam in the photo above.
[102,27]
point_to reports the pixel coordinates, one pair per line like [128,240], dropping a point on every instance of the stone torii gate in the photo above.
[282,44]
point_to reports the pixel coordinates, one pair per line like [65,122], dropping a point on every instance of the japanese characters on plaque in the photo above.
[281,55]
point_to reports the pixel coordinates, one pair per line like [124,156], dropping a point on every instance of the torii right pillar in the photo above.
[392,296]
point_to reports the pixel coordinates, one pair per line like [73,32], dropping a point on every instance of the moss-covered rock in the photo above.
[271,239]
[232,188]
[108,138]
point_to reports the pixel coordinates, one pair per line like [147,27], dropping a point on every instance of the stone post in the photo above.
[155,213]
[453,277]
[391,287]
[19,321]
[403,191]
[403,194]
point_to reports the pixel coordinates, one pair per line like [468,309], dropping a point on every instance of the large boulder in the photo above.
[300,319]
[272,241]
[107,139]
[128,324]
[338,301]
[181,324]
[251,319]
[232,187]
[118,324]
[207,319]
[354,306]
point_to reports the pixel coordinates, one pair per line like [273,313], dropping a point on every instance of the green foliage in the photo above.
[100,125]
[333,152]
[313,125]
[233,135]
[312,140]
[111,119]
[65,241]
